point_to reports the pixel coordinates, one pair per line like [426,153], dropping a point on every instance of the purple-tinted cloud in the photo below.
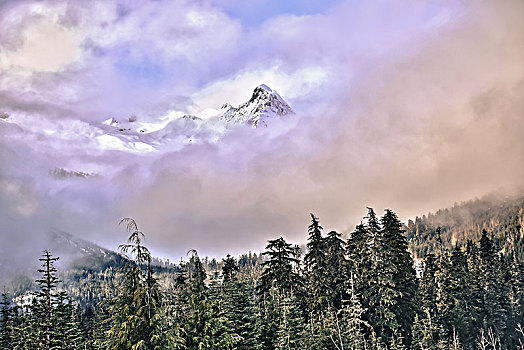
[408,105]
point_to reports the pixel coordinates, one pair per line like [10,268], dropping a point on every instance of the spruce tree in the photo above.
[290,330]
[386,279]
[238,305]
[350,325]
[277,284]
[45,301]
[25,329]
[137,317]
[516,293]
[426,333]
[97,340]
[279,269]
[359,262]
[315,262]
[229,269]
[495,308]
[6,323]
[428,285]
[223,332]
[198,328]
[404,279]
[67,322]
[461,317]
[336,270]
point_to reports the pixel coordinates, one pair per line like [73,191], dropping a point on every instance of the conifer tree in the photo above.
[350,325]
[238,303]
[223,333]
[426,333]
[6,323]
[380,291]
[136,314]
[198,328]
[404,279]
[279,269]
[428,285]
[44,305]
[290,331]
[460,317]
[101,326]
[359,262]
[315,262]
[25,327]
[229,269]
[336,269]
[367,273]
[277,283]
[67,322]
[516,293]
[496,309]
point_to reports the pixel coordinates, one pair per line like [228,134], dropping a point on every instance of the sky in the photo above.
[408,105]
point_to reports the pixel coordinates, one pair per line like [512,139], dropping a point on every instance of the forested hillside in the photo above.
[501,217]
[355,293]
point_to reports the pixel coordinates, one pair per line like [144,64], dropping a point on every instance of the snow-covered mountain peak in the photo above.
[148,135]
[264,87]
[265,104]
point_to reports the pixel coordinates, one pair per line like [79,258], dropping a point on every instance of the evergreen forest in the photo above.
[385,286]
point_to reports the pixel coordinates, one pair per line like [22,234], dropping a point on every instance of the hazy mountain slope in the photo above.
[74,253]
[501,216]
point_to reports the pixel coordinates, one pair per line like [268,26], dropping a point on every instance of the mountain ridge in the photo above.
[170,132]
[264,106]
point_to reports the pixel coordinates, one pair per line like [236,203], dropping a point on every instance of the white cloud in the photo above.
[47,46]
[301,82]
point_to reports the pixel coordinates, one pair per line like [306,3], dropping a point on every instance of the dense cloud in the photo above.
[411,106]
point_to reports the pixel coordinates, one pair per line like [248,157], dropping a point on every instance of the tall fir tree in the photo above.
[198,328]
[428,286]
[496,308]
[395,247]
[238,302]
[279,269]
[223,332]
[6,323]
[359,261]
[290,330]
[45,302]
[137,318]
[67,322]
[336,270]
[277,284]
[315,264]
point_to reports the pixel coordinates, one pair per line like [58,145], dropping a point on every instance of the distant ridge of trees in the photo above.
[502,217]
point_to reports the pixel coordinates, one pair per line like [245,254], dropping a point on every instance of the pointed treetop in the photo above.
[134,243]
[229,268]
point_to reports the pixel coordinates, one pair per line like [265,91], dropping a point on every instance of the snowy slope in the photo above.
[170,132]
[265,104]
[175,131]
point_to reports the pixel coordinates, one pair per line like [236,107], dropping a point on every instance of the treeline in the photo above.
[359,293]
